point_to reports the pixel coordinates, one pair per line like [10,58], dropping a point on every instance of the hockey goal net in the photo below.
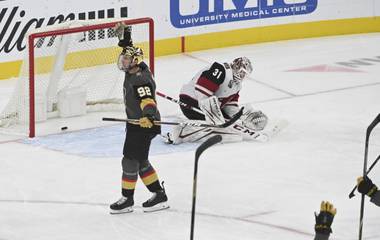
[70,71]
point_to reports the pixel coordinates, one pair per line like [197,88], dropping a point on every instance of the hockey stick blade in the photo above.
[352,193]
[208,143]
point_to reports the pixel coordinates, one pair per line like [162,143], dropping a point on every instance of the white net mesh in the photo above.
[85,61]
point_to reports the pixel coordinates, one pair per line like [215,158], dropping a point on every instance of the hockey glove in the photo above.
[123,32]
[255,120]
[365,186]
[325,218]
[146,122]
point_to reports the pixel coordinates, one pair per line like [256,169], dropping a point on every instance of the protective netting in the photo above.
[83,61]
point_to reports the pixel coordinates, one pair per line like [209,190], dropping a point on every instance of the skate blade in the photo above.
[158,207]
[125,210]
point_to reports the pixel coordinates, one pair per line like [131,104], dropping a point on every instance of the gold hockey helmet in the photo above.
[129,57]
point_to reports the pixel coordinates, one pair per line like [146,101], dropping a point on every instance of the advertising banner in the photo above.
[175,18]
[217,12]
[19,17]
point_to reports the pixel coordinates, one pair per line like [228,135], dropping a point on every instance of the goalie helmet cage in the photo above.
[85,58]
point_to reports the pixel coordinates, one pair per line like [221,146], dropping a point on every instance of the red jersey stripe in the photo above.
[208,84]
[203,92]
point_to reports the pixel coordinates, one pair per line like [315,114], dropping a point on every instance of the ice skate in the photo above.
[159,201]
[123,205]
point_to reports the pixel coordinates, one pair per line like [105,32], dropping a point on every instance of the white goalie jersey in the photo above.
[215,92]
[215,80]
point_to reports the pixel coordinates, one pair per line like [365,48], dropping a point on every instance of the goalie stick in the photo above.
[368,133]
[352,193]
[224,125]
[208,143]
[179,102]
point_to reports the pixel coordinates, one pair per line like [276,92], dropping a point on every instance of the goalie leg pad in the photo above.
[182,134]
[272,129]
[210,107]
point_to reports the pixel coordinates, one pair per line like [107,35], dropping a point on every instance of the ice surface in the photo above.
[60,186]
[110,138]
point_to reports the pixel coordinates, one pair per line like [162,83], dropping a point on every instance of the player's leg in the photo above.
[175,136]
[130,166]
[149,176]
[129,178]
[159,199]
[181,134]
[213,115]
[190,114]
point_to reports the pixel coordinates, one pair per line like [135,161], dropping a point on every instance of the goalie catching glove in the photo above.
[253,119]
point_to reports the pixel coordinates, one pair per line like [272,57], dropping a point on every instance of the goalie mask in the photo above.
[241,68]
[130,57]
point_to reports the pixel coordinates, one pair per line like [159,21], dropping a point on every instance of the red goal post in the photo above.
[31,43]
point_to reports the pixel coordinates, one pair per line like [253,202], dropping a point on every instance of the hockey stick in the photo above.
[194,124]
[352,193]
[208,143]
[179,102]
[369,130]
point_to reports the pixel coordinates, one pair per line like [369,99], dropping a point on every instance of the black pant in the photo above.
[190,114]
[137,144]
